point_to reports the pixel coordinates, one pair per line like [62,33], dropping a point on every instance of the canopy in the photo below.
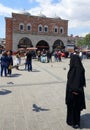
[31,48]
[86,50]
[21,49]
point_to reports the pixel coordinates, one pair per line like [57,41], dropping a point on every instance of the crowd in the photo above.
[8,62]
[44,56]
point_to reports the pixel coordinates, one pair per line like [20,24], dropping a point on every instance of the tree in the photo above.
[84,41]
[87,39]
[80,42]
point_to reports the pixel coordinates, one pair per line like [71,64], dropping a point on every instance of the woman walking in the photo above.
[75,98]
[4,64]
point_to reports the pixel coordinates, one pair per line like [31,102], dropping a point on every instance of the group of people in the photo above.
[46,55]
[57,55]
[6,63]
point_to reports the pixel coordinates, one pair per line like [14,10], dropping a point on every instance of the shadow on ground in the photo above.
[15,75]
[38,108]
[5,91]
[85,121]
[34,70]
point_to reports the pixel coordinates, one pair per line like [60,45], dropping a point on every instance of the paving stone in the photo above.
[36,100]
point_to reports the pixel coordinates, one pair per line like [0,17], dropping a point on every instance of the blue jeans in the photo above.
[29,65]
[3,69]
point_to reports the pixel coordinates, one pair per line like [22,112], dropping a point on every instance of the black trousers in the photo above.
[9,71]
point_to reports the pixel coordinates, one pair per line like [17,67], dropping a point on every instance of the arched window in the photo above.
[28,27]
[21,26]
[56,29]
[61,30]
[24,43]
[58,44]
[40,28]
[42,45]
[45,28]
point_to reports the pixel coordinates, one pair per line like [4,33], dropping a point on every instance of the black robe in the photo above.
[75,83]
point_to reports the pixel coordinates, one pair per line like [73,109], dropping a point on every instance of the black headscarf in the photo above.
[76,74]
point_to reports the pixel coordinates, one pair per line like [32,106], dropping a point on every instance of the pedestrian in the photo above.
[48,56]
[10,62]
[29,60]
[17,61]
[26,61]
[75,98]
[4,64]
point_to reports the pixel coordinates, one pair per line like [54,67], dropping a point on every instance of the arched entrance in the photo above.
[25,43]
[58,45]
[42,45]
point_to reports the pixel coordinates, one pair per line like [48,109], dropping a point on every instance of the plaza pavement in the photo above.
[36,100]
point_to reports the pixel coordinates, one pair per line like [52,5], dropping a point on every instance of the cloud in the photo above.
[6,11]
[67,9]
[78,23]
[77,12]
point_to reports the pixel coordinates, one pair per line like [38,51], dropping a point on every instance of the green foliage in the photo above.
[85,41]
[80,42]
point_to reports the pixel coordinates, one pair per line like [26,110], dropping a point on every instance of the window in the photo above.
[61,30]
[40,28]
[45,28]
[21,26]
[56,29]
[28,27]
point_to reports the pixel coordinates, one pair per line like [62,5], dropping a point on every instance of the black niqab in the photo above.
[76,74]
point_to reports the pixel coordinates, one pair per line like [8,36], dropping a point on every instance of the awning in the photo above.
[85,50]
[31,48]
[21,49]
[42,46]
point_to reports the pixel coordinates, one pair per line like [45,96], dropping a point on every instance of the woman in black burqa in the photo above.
[75,98]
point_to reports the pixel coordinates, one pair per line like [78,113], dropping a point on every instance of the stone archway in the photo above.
[42,45]
[25,43]
[58,45]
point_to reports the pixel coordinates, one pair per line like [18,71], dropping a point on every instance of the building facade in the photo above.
[25,30]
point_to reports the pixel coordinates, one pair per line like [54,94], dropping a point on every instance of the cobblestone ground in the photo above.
[36,100]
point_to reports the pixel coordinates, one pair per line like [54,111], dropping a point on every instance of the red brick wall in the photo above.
[35,21]
[8,33]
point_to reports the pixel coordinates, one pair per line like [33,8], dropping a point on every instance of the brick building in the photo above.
[26,30]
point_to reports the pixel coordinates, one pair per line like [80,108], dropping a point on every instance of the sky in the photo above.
[77,12]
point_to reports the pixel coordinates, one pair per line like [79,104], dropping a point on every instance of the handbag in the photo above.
[10,67]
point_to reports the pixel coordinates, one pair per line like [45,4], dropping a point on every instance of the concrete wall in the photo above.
[36,38]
